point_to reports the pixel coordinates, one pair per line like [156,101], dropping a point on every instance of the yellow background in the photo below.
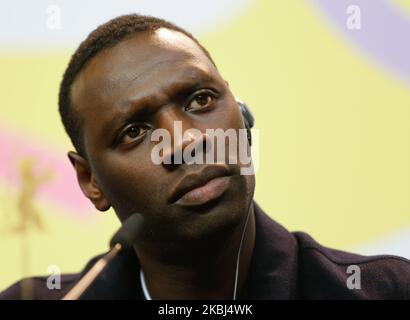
[334,134]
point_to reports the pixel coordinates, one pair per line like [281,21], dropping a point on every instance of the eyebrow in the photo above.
[140,109]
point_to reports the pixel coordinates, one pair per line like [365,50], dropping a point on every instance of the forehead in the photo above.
[145,57]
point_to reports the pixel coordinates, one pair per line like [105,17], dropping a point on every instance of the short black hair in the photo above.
[105,36]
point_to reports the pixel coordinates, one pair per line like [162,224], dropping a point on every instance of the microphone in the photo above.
[127,234]
[123,240]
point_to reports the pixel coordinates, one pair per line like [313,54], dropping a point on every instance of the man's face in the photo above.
[147,82]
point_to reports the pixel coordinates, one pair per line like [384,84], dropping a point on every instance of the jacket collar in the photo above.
[273,270]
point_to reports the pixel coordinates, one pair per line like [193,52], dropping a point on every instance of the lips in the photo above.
[201,187]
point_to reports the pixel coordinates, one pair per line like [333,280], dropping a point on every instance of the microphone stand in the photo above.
[92,274]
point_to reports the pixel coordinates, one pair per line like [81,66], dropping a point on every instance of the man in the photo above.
[204,237]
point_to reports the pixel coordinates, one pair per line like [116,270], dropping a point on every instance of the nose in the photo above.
[186,143]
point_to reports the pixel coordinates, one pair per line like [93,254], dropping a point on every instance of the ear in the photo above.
[87,182]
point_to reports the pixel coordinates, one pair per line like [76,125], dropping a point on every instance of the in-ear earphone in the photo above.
[248,118]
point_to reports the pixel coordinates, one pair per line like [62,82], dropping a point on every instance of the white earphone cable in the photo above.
[144,285]
[239,253]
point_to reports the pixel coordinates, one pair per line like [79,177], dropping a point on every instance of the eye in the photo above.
[200,101]
[133,133]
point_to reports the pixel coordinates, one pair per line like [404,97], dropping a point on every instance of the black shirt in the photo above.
[285,265]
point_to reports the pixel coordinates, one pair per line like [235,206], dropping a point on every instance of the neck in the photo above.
[210,271]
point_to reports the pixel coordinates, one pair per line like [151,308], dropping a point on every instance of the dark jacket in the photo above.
[284,265]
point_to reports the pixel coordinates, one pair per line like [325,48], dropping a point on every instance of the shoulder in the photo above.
[40,288]
[329,273]
[44,287]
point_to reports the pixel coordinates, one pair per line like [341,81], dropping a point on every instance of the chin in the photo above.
[216,217]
